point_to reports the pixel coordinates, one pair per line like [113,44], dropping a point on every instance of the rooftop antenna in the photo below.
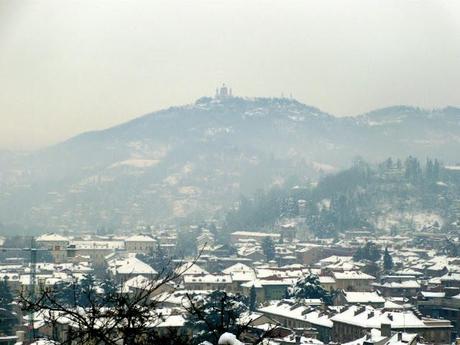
[33,275]
[32,278]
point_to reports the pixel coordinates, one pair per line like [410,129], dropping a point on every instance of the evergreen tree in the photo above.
[66,293]
[252,299]
[387,260]
[368,252]
[413,171]
[309,287]
[371,268]
[87,290]
[78,293]
[216,314]
[268,247]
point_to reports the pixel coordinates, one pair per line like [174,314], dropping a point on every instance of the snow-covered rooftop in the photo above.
[363,297]
[368,317]
[140,238]
[298,312]
[52,237]
[130,265]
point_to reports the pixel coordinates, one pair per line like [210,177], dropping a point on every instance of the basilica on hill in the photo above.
[223,92]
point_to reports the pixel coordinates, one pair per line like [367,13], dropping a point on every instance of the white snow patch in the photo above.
[323,167]
[229,339]
[136,163]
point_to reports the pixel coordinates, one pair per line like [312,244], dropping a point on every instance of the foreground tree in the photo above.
[97,313]
[220,313]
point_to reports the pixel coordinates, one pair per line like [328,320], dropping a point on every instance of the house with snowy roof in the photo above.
[296,316]
[353,322]
[140,244]
[269,288]
[190,269]
[386,337]
[398,287]
[309,253]
[353,280]
[450,280]
[240,273]
[238,236]
[327,282]
[128,266]
[441,304]
[208,282]
[95,250]
[56,243]
[359,297]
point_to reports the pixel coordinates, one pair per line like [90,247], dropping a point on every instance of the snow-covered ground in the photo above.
[418,221]
[136,163]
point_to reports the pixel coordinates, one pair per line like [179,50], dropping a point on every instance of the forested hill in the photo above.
[393,196]
[188,163]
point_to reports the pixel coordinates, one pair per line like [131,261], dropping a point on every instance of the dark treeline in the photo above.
[354,197]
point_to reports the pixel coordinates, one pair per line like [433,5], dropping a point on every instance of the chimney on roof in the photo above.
[399,336]
[359,310]
[385,330]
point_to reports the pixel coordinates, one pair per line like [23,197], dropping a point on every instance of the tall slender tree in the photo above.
[252,299]
[387,260]
[268,247]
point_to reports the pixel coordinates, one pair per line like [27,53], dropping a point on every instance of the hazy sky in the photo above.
[71,66]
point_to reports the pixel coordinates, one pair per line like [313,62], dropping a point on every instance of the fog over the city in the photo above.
[243,172]
[73,66]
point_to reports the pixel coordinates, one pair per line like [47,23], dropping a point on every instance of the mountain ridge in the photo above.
[379,111]
[197,159]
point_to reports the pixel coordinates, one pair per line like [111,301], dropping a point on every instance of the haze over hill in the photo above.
[195,160]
